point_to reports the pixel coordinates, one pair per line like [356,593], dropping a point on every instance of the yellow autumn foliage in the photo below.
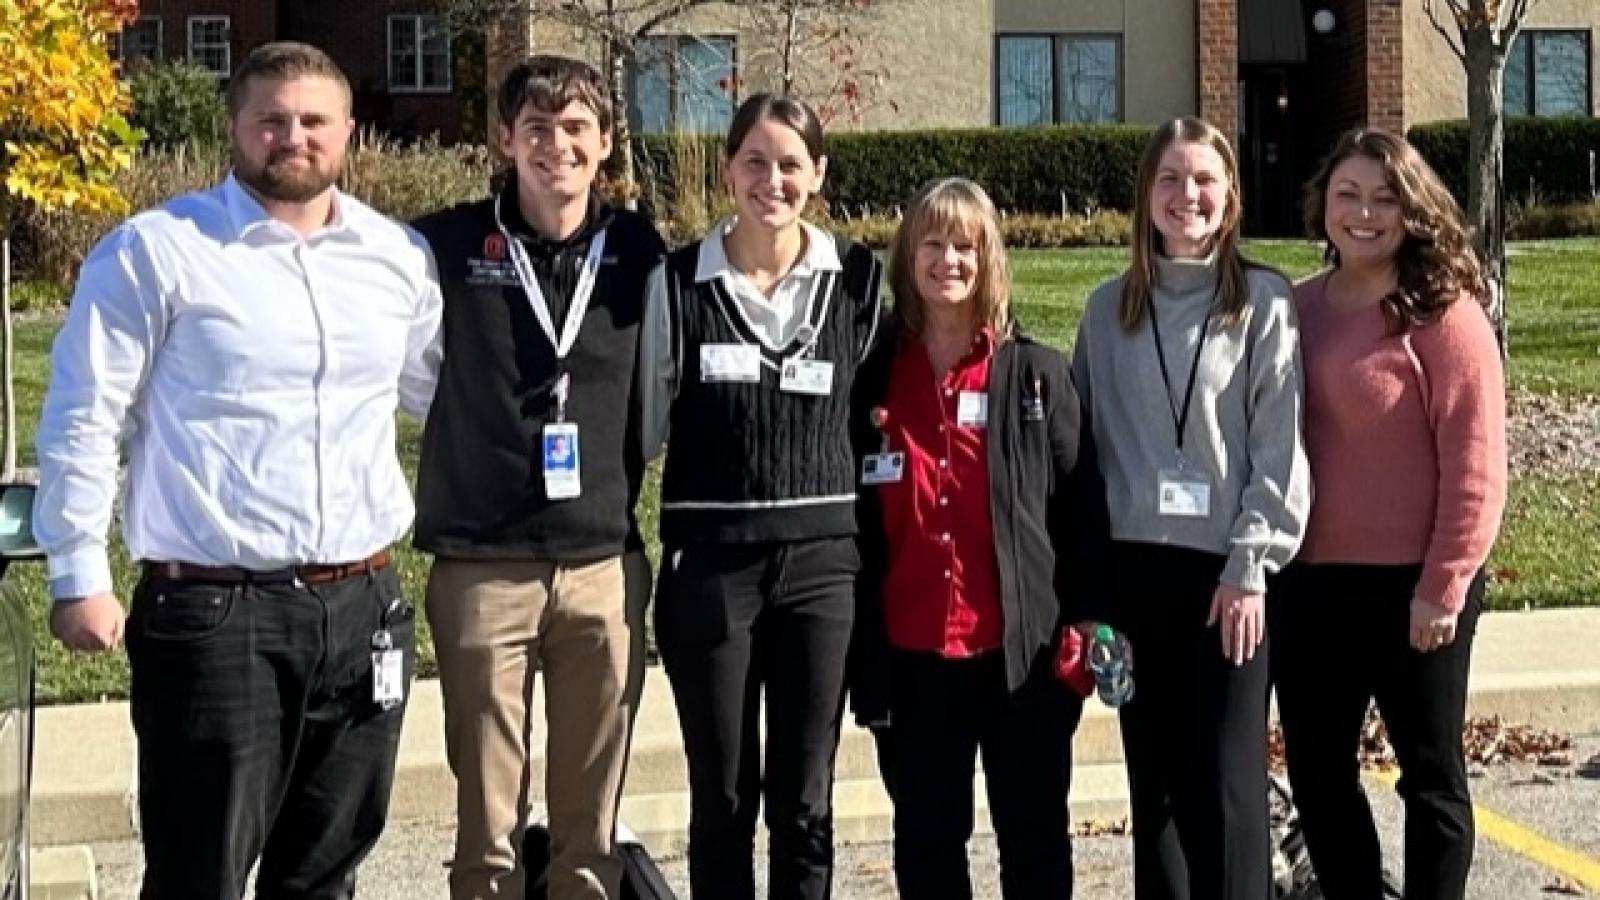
[64,134]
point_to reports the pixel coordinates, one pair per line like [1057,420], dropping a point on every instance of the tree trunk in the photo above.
[792,24]
[1486,63]
[8,467]
[622,141]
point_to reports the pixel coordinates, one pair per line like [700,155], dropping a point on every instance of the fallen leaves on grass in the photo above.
[1486,740]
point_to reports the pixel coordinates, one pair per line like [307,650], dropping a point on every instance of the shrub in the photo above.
[177,103]
[1543,222]
[1103,228]
[1546,160]
[401,180]
[1054,169]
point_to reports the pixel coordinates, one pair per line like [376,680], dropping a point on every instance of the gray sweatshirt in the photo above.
[1243,431]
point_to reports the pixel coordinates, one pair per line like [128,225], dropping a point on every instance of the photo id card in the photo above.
[883,468]
[561,461]
[721,363]
[972,410]
[388,678]
[1183,493]
[807,376]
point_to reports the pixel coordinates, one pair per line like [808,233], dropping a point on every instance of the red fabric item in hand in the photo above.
[1072,662]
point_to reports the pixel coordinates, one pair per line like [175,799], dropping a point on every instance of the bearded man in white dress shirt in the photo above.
[248,346]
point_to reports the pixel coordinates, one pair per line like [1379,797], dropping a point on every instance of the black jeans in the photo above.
[1341,641]
[1194,735]
[943,713]
[730,620]
[258,734]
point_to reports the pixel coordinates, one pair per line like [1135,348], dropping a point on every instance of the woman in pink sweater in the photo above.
[1405,431]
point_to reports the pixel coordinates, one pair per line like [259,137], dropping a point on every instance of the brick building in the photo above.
[397,53]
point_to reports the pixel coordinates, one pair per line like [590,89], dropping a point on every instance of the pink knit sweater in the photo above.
[1407,440]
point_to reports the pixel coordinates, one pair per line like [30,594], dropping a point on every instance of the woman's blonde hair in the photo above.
[958,206]
[1436,262]
[1233,289]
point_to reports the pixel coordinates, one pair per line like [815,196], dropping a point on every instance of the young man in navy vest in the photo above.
[528,481]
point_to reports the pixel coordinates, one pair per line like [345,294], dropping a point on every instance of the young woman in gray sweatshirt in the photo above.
[1190,368]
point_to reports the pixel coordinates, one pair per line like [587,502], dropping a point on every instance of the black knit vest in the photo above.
[749,462]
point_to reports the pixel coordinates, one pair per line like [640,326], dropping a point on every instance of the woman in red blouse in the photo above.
[972,461]
[1405,431]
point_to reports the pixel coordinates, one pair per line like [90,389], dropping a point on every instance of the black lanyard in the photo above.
[1180,420]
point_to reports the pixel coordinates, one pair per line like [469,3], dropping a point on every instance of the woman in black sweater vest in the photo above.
[751,342]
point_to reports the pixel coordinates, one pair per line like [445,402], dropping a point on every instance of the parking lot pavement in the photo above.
[1560,806]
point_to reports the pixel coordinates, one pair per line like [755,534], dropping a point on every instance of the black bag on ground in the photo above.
[1292,875]
[641,877]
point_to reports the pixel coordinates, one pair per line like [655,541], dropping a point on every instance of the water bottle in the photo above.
[1109,660]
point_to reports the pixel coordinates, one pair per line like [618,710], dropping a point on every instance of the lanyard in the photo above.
[1180,420]
[579,304]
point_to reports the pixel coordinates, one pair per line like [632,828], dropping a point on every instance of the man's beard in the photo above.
[282,182]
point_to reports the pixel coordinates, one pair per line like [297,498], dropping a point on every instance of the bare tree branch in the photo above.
[1513,23]
[1456,42]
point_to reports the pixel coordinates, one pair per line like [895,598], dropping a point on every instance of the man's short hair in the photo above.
[548,84]
[280,61]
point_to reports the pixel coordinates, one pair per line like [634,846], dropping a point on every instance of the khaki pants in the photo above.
[582,624]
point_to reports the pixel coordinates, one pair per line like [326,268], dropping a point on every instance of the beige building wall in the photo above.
[1158,46]
[1436,83]
[924,63]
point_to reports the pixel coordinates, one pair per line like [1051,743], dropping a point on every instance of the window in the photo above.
[419,54]
[1041,78]
[141,39]
[208,44]
[683,83]
[1547,74]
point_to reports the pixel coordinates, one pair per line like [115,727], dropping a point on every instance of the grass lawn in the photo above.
[1542,560]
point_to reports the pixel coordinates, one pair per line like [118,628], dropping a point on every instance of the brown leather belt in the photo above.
[312,573]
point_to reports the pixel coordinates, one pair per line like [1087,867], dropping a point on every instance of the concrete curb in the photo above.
[1537,668]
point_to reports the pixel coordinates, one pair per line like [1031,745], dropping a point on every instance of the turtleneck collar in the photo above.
[1185,276]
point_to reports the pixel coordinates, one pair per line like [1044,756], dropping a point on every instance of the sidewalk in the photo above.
[1540,668]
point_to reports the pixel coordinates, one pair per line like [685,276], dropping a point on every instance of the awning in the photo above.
[1271,32]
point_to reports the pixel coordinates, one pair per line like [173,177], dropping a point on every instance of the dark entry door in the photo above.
[1270,166]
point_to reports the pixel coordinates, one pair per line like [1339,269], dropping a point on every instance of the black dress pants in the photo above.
[732,620]
[945,712]
[258,735]
[1341,641]
[1194,735]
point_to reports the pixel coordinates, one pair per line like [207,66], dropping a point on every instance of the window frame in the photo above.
[226,45]
[1530,57]
[674,58]
[416,86]
[161,35]
[1058,39]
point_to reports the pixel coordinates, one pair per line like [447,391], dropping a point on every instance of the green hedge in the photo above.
[1546,160]
[1024,169]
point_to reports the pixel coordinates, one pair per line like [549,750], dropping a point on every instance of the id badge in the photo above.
[1183,494]
[388,678]
[883,468]
[720,363]
[561,461]
[807,376]
[972,410]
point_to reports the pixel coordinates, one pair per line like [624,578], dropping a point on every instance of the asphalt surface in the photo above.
[1561,804]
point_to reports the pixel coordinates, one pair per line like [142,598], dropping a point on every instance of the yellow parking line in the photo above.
[1524,841]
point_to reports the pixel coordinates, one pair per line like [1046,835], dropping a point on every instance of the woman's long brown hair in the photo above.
[1435,262]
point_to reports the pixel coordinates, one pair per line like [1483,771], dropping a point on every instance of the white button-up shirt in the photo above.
[774,319]
[253,374]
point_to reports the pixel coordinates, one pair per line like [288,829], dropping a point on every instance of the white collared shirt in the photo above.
[253,375]
[776,319]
